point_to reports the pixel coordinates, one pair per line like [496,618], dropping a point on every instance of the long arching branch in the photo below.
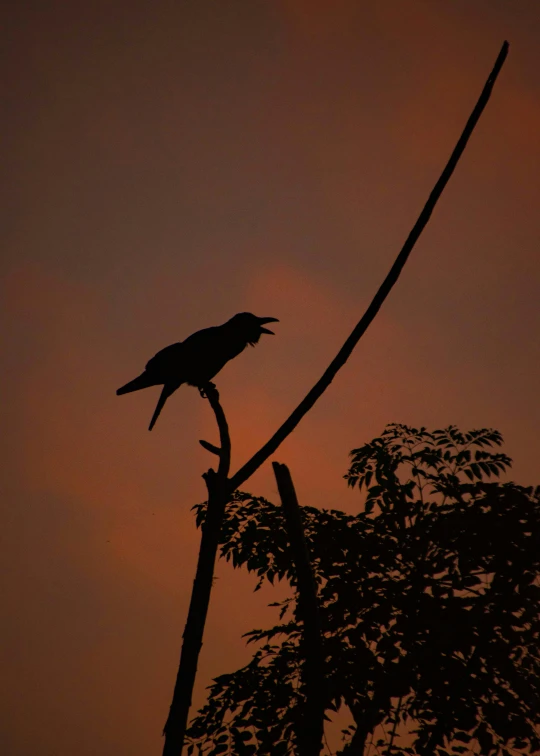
[344,353]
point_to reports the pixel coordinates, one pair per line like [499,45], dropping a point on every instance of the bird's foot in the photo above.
[206,389]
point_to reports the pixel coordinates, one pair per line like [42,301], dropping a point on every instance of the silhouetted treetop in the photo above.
[429,598]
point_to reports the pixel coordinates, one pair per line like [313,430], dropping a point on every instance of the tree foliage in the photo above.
[430,606]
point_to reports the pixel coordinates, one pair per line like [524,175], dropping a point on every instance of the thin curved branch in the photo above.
[211,393]
[225,449]
[344,353]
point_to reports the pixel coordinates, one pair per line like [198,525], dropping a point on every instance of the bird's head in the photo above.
[250,326]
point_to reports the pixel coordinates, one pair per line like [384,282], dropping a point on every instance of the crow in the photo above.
[199,358]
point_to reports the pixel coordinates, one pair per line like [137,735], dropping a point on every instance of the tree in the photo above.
[429,606]
[222,487]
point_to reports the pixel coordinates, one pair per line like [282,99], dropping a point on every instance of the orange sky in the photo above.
[170,164]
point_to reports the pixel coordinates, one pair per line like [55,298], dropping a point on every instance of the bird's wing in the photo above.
[201,341]
[167,359]
[206,352]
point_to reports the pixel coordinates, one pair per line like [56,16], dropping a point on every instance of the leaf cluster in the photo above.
[429,596]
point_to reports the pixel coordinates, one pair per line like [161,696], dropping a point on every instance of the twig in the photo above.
[210,447]
[311,729]
[175,726]
[394,728]
[344,353]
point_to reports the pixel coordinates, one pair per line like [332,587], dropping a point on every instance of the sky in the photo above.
[167,165]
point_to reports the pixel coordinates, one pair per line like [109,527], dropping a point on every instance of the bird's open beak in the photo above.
[267,320]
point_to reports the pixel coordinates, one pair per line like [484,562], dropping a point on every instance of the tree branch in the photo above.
[212,395]
[344,353]
[216,483]
[311,728]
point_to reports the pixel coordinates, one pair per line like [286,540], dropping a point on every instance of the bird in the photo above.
[199,358]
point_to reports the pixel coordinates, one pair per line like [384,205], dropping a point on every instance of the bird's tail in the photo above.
[165,394]
[140,382]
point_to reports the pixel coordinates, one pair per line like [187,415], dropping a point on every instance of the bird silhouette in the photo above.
[199,358]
